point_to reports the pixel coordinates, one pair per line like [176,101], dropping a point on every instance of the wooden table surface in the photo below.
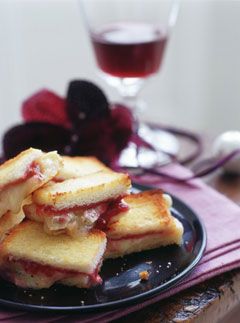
[216,300]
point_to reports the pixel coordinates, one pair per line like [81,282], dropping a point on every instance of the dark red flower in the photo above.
[95,138]
[46,106]
[93,129]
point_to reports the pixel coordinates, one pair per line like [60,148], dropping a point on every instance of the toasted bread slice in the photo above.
[78,166]
[23,174]
[16,168]
[8,221]
[84,191]
[146,225]
[32,259]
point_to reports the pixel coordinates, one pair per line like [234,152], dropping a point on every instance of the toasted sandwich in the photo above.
[30,258]
[78,166]
[148,224]
[74,205]
[23,174]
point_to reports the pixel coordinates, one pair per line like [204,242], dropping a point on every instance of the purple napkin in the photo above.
[221,218]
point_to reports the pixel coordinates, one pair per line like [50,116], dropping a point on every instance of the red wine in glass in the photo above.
[129,49]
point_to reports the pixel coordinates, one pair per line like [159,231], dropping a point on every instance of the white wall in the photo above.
[44,44]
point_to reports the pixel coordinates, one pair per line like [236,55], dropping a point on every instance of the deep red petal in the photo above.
[45,106]
[85,102]
[35,134]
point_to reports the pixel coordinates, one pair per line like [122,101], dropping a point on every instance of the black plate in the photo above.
[121,284]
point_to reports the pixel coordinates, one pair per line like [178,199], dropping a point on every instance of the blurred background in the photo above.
[44,44]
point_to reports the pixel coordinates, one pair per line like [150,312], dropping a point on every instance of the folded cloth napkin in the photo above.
[221,218]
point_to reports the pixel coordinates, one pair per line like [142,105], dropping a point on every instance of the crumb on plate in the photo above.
[144,275]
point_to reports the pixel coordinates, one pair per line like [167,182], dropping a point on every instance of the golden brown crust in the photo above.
[148,212]
[82,160]
[150,240]
[85,190]
[27,224]
[28,241]
[15,168]
[25,176]
[31,259]
[20,156]
[148,224]
[79,166]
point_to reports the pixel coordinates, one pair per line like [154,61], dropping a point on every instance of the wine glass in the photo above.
[129,38]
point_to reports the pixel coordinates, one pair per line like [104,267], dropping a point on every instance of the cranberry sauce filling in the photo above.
[33,268]
[32,170]
[140,235]
[114,208]
[50,210]
[57,180]
[106,210]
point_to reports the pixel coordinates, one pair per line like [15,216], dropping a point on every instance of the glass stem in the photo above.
[132,103]
[129,89]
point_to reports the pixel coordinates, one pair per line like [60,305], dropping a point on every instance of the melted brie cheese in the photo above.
[72,223]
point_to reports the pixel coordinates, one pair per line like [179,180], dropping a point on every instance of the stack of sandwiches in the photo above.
[61,216]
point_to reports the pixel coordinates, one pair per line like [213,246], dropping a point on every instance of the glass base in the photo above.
[161,140]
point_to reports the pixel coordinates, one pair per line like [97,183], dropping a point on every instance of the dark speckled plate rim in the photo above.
[133,299]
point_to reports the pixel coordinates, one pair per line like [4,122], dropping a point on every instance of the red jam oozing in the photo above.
[106,209]
[34,268]
[57,180]
[114,208]
[49,210]
[63,218]
[32,170]
[139,236]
